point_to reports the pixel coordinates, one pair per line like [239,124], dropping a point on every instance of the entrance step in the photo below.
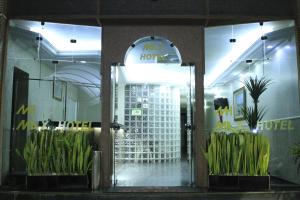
[270,195]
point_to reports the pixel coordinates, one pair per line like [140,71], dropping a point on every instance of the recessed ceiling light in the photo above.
[269,47]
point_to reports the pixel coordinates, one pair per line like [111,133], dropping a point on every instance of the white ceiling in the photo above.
[220,54]
[88,38]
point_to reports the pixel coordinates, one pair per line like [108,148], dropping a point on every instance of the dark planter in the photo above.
[240,183]
[57,182]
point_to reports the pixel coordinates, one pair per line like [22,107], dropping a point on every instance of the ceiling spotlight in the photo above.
[264,37]
[38,38]
[232,40]
[82,61]
[248,61]
[269,47]
[73,41]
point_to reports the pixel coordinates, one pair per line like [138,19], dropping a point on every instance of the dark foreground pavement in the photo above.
[154,195]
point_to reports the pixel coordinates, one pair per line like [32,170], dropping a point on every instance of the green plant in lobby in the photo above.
[49,152]
[255,87]
[242,153]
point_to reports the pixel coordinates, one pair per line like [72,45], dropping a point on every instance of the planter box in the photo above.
[57,182]
[240,183]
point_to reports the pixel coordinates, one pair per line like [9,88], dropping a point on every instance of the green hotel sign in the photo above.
[276,125]
[150,50]
[27,124]
[270,125]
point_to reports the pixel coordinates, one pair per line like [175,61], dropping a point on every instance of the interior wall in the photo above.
[72,102]
[89,108]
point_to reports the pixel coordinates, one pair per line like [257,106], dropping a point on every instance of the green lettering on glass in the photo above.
[276,125]
[290,126]
[152,47]
[26,109]
[23,125]
[283,125]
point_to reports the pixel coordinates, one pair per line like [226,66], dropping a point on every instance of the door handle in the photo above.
[116,126]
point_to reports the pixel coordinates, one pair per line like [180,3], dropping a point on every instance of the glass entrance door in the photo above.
[153,106]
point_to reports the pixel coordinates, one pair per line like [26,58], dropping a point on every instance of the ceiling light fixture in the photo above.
[56,37]
[264,37]
[263,40]
[240,47]
[38,38]
[232,39]
[249,61]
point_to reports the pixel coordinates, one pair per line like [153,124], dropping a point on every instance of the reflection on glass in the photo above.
[152,147]
[50,82]
[273,57]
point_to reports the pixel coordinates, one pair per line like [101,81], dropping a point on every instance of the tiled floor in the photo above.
[177,173]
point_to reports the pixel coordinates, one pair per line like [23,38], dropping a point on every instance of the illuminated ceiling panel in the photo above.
[88,38]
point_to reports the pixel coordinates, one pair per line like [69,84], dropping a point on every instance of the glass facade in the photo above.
[257,52]
[153,146]
[52,85]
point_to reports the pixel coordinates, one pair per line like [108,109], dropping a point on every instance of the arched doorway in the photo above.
[153,105]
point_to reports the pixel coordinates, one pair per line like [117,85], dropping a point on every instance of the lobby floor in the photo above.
[176,173]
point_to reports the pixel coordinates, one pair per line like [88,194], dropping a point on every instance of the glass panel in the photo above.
[152,50]
[261,52]
[52,85]
[155,158]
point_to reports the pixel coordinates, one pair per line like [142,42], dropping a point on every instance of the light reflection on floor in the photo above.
[175,173]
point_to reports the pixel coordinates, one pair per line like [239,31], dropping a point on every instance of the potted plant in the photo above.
[238,161]
[55,158]
[255,87]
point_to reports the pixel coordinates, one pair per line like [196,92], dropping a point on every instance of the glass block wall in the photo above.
[152,121]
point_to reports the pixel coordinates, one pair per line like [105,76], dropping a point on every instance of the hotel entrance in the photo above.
[153,100]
